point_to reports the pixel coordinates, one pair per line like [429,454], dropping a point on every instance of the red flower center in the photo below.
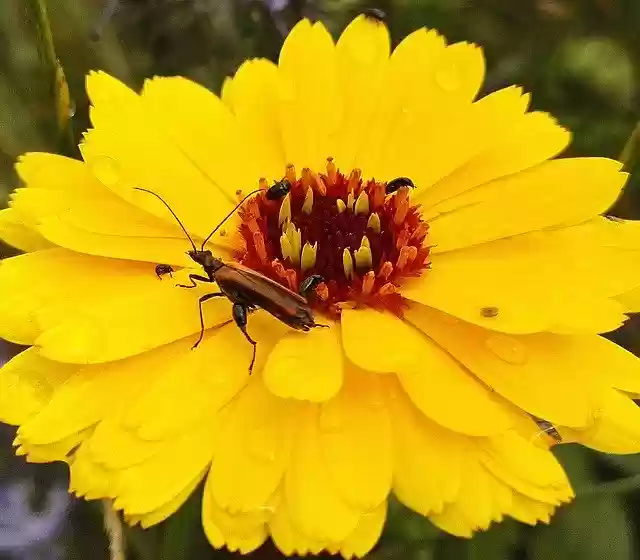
[362,241]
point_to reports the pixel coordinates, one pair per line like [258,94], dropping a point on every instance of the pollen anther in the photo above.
[290,173]
[347,263]
[308,256]
[385,270]
[307,207]
[341,206]
[374,222]
[367,282]
[387,290]
[285,210]
[362,204]
[332,171]
[363,257]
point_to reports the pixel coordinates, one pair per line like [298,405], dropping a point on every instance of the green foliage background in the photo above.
[579,58]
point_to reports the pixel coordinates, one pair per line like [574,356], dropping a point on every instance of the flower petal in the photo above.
[447,393]
[27,383]
[306,366]
[14,232]
[254,96]
[316,508]
[366,534]
[363,54]
[130,318]
[254,448]
[310,112]
[540,281]
[129,147]
[562,191]
[355,435]
[399,343]
[512,142]
[540,373]
[287,538]
[616,428]
[420,447]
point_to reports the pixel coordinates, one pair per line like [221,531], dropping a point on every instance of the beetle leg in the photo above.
[204,298]
[239,313]
[193,278]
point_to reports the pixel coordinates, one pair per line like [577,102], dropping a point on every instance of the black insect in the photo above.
[247,289]
[395,184]
[375,14]
[163,269]
[548,428]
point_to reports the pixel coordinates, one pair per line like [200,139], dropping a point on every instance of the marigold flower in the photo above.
[464,306]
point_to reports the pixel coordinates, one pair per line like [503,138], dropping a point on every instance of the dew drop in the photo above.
[508,349]
[448,77]
[260,445]
[106,170]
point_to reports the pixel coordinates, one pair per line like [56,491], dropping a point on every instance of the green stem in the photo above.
[55,77]
[629,153]
[181,529]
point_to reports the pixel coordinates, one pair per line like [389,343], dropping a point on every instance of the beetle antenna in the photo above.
[172,213]
[228,216]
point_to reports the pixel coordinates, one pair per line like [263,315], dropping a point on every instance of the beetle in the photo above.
[548,428]
[375,14]
[395,184]
[162,269]
[247,289]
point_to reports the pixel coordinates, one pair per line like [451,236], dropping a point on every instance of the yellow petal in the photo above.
[202,127]
[140,313]
[366,535]
[557,192]
[397,347]
[15,233]
[191,385]
[254,96]
[317,510]
[287,538]
[88,479]
[57,451]
[530,511]
[447,393]
[306,366]
[130,146]
[421,446]
[154,483]
[541,281]
[254,448]
[305,102]
[616,426]
[355,435]
[528,140]
[362,53]
[540,373]
[27,383]
[158,515]
[243,533]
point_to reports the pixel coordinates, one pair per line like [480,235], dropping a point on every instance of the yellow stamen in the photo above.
[290,173]
[341,205]
[363,257]
[385,270]
[347,263]
[350,201]
[408,253]
[367,282]
[374,222]
[420,231]
[285,210]
[364,242]
[263,184]
[362,204]
[307,207]
[285,248]
[308,257]
[295,239]
[332,171]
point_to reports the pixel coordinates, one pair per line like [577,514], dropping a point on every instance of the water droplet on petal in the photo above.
[448,77]
[508,349]
[260,445]
[106,170]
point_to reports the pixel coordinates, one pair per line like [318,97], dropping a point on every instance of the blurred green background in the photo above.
[579,58]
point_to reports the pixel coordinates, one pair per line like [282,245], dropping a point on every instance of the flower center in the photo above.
[360,240]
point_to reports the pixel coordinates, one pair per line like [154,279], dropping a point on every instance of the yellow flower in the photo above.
[464,314]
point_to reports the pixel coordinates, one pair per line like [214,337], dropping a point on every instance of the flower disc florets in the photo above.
[341,227]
